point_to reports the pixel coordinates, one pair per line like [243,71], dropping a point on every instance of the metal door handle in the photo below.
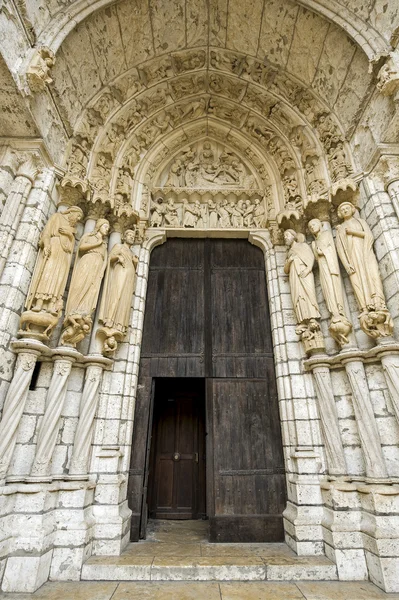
[196,456]
[176,456]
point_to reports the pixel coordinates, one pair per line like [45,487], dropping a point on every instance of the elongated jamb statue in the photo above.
[355,249]
[330,278]
[298,266]
[117,294]
[44,301]
[88,272]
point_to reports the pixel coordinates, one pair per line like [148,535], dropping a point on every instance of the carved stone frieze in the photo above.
[208,210]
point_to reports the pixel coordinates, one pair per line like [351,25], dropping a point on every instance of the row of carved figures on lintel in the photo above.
[210,214]
[354,247]
[44,302]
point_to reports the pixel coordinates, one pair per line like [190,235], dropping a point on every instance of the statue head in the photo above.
[289,237]
[346,210]
[314,226]
[129,236]
[74,214]
[102,225]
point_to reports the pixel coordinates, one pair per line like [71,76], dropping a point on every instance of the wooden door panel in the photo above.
[248,467]
[177,445]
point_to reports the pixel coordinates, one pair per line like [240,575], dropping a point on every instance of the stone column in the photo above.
[329,418]
[48,432]
[14,405]
[364,414]
[15,204]
[9,163]
[88,407]
[389,355]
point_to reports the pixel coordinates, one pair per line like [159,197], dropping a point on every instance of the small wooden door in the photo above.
[177,463]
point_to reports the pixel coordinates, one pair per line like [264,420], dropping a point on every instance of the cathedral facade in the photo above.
[199,279]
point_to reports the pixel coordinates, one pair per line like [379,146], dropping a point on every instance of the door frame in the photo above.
[261,240]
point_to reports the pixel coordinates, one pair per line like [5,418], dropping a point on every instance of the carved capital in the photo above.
[345,190]
[73,191]
[388,170]
[29,166]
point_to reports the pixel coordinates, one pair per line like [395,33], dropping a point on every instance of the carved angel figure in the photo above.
[53,262]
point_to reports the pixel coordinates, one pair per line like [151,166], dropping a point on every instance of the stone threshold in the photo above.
[132,566]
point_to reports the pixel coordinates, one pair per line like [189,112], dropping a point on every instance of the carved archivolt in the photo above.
[157,96]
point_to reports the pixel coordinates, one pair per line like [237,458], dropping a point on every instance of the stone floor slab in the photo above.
[79,590]
[167,591]
[342,590]
[260,591]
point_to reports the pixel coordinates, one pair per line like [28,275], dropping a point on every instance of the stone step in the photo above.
[132,567]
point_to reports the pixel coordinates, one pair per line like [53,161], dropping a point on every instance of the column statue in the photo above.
[298,266]
[88,272]
[355,249]
[117,294]
[44,302]
[330,278]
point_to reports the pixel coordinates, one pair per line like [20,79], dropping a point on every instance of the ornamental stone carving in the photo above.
[355,249]
[117,294]
[298,266]
[330,278]
[38,73]
[90,263]
[44,301]
[388,76]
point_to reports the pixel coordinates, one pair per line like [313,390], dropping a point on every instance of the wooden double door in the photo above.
[207,320]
